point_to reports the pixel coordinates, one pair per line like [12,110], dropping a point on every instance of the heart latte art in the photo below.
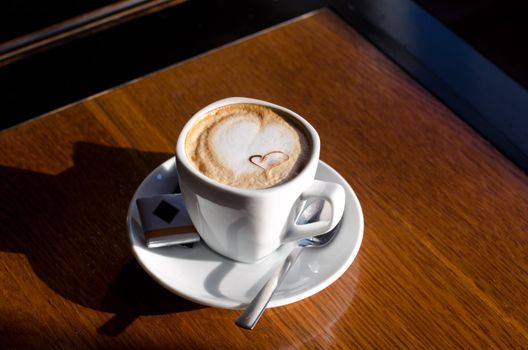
[247,145]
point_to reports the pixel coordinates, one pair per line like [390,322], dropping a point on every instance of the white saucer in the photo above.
[207,278]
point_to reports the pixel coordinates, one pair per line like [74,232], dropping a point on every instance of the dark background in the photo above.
[19,17]
[83,67]
[497,29]
[78,68]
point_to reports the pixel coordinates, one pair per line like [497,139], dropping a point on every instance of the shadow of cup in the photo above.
[71,228]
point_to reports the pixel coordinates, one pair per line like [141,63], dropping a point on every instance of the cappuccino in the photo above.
[248,146]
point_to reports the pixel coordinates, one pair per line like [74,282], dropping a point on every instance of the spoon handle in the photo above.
[249,318]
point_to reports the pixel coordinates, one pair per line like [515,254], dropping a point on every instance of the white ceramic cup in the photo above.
[248,224]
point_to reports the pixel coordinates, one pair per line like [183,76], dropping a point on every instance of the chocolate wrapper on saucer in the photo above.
[165,221]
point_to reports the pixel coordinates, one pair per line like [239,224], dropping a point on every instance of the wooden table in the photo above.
[444,261]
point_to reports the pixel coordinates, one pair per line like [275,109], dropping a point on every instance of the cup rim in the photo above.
[182,159]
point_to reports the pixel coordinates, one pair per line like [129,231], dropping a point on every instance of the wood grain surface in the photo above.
[444,261]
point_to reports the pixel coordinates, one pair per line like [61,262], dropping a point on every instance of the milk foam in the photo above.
[246,145]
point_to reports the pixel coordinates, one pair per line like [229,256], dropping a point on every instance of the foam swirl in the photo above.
[247,145]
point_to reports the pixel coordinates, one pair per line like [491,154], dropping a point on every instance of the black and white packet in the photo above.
[165,221]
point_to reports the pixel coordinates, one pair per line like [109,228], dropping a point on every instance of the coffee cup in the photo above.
[245,166]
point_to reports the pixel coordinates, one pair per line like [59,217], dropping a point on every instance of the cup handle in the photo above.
[332,193]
